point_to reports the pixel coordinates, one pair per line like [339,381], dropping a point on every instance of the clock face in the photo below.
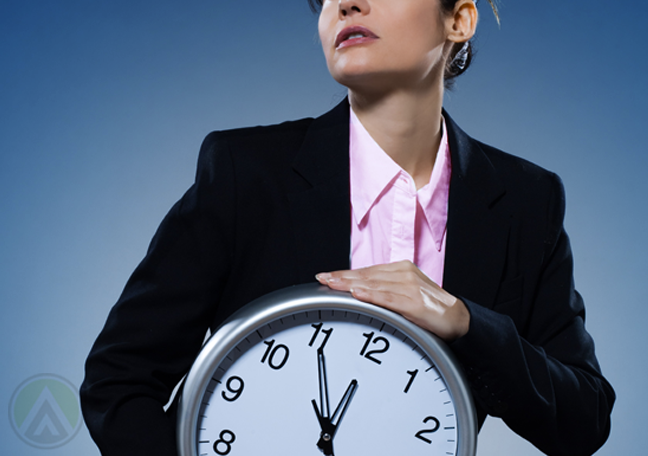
[325,379]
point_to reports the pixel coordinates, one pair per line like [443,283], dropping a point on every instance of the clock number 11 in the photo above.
[326,332]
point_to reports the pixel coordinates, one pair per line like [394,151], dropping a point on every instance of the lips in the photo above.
[354,35]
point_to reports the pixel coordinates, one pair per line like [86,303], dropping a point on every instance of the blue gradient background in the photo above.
[104,104]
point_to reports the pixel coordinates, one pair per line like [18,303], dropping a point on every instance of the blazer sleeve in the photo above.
[158,325]
[547,386]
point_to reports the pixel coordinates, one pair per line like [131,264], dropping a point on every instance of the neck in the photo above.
[406,125]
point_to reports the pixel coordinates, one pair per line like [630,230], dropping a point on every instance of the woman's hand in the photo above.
[403,288]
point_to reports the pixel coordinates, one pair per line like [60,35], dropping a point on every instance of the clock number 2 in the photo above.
[275,359]
[420,433]
[369,354]
[326,332]
[223,445]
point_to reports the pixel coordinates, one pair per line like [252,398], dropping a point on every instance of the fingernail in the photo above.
[322,276]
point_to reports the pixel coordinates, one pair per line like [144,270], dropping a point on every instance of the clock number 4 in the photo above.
[318,329]
[276,356]
[378,340]
[223,445]
[420,433]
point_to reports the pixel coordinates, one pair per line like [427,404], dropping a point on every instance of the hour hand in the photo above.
[341,409]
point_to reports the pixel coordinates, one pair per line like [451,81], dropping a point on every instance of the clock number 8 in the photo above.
[225,439]
[272,352]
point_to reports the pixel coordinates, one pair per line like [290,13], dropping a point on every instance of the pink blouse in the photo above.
[392,221]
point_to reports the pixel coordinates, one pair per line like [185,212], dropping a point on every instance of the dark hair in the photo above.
[461,54]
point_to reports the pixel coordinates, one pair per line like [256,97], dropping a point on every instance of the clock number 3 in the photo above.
[420,433]
[369,354]
[223,445]
[326,332]
[275,359]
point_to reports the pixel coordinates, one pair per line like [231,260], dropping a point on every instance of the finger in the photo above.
[369,270]
[392,299]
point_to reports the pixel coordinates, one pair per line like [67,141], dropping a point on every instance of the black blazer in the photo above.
[270,208]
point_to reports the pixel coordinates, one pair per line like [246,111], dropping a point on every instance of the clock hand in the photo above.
[325,442]
[323,384]
[344,402]
[329,427]
[327,424]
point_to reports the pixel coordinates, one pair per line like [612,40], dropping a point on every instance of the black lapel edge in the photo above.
[321,215]
[477,234]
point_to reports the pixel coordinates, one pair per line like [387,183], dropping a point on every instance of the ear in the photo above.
[462,22]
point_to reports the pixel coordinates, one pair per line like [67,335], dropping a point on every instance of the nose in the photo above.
[348,8]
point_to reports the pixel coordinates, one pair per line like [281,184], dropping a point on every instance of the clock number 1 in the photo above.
[271,354]
[326,332]
[369,354]
[412,375]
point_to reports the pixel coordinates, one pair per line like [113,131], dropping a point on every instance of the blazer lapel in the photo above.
[321,214]
[477,234]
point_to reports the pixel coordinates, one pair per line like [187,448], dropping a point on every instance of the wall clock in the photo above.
[308,371]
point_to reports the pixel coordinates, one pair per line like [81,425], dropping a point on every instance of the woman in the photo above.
[462,239]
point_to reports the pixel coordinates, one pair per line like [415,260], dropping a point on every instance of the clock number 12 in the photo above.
[369,354]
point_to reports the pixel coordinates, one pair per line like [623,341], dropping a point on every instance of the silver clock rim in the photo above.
[309,297]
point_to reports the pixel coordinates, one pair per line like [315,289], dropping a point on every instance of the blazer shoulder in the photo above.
[537,192]
[522,175]
[261,147]
[256,137]
[510,165]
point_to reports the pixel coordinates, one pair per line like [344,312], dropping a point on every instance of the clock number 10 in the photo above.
[378,340]
[277,356]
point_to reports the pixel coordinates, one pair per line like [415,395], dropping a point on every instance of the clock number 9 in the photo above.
[236,391]
[369,353]
[272,353]
[225,439]
[420,433]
